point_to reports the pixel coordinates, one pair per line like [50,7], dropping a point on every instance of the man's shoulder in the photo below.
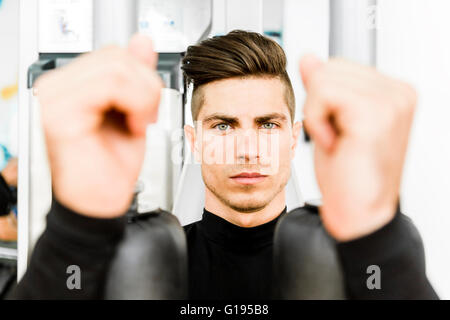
[193,234]
[191,227]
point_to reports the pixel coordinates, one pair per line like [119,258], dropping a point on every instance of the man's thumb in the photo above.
[141,46]
[309,63]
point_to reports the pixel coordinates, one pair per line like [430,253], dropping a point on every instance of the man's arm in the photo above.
[70,239]
[95,111]
[386,264]
[360,121]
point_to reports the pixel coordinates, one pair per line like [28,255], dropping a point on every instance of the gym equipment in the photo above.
[299,235]
[306,265]
[151,259]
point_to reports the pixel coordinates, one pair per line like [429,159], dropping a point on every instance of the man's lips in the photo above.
[248,177]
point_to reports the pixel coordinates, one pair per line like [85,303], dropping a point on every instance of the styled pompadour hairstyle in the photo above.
[238,54]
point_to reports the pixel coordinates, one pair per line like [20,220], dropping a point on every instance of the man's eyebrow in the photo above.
[222,117]
[270,116]
[235,120]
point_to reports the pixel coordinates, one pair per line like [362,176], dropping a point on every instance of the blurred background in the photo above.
[406,39]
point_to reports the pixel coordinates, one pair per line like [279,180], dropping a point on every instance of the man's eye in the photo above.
[268,125]
[223,126]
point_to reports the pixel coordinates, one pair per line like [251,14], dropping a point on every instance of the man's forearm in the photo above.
[71,246]
[387,264]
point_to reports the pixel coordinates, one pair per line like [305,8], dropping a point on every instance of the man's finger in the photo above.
[141,47]
[309,64]
[318,123]
[317,118]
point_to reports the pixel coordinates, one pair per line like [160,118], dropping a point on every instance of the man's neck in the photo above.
[245,219]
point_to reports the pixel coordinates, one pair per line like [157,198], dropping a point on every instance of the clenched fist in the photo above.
[95,112]
[360,122]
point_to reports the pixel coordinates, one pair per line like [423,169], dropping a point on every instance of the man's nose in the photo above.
[246,147]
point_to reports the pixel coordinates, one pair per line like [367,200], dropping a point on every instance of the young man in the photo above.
[245,136]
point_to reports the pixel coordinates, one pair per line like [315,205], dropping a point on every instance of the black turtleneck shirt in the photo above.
[225,261]
[228,261]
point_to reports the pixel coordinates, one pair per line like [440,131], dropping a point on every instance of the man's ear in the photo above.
[296,129]
[189,132]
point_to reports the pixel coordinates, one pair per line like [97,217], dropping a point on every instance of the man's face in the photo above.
[245,140]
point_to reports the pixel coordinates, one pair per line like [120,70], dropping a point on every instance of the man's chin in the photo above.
[246,204]
[242,199]
[246,209]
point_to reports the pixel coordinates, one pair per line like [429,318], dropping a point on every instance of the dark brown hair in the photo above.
[238,54]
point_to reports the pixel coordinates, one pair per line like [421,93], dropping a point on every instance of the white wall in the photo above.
[413,45]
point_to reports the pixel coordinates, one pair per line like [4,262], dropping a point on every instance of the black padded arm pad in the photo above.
[306,264]
[150,261]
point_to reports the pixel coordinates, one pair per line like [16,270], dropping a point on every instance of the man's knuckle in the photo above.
[307,111]
[410,95]
[318,82]
[337,61]
[117,74]
[111,49]
[405,96]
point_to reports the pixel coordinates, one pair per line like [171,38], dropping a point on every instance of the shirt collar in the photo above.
[238,238]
